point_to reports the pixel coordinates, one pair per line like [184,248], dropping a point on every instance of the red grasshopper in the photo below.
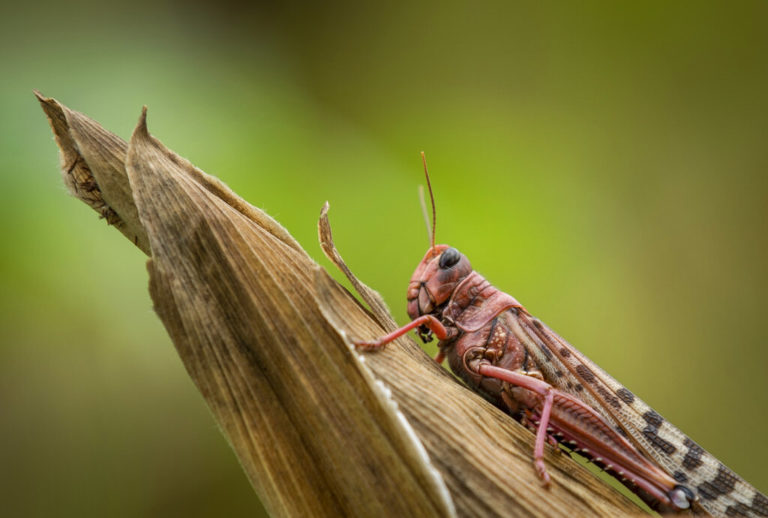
[512,358]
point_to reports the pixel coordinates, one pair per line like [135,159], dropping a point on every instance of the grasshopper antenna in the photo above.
[432,202]
[424,214]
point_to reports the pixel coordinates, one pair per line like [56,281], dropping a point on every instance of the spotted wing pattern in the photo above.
[720,492]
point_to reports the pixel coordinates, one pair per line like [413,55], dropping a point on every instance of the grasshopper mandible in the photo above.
[500,350]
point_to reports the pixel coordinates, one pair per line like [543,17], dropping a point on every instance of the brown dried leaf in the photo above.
[371,297]
[239,303]
[319,428]
[93,168]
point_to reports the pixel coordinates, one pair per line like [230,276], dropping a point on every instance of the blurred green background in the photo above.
[604,163]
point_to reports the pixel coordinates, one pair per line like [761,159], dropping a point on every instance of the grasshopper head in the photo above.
[435,279]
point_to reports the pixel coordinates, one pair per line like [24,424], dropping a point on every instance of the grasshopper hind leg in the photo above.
[593,438]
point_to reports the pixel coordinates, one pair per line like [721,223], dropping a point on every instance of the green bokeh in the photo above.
[605,164]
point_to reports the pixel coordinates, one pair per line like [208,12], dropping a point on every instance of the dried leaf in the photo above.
[241,309]
[319,428]
[93,168]
[371,297]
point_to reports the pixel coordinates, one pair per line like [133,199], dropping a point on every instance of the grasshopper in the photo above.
[518,363]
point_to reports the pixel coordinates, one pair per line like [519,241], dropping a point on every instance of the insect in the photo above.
[513,359]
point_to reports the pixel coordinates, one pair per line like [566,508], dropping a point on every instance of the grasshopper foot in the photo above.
[541,470]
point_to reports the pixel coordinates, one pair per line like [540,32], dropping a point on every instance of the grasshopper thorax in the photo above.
[435,279]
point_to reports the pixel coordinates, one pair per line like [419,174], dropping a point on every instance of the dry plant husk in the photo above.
[319,428]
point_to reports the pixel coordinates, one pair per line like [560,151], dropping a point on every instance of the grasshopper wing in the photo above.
[719,491]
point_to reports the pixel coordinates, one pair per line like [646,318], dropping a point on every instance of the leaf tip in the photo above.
[141,128]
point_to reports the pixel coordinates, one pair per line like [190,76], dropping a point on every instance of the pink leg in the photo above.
[426,320]
[440,356]
[617,452]
[541,435]
[542,388]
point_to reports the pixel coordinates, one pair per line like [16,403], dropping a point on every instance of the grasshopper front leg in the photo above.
[425,320]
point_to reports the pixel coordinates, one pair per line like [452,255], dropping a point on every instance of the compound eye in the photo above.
[449,258]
